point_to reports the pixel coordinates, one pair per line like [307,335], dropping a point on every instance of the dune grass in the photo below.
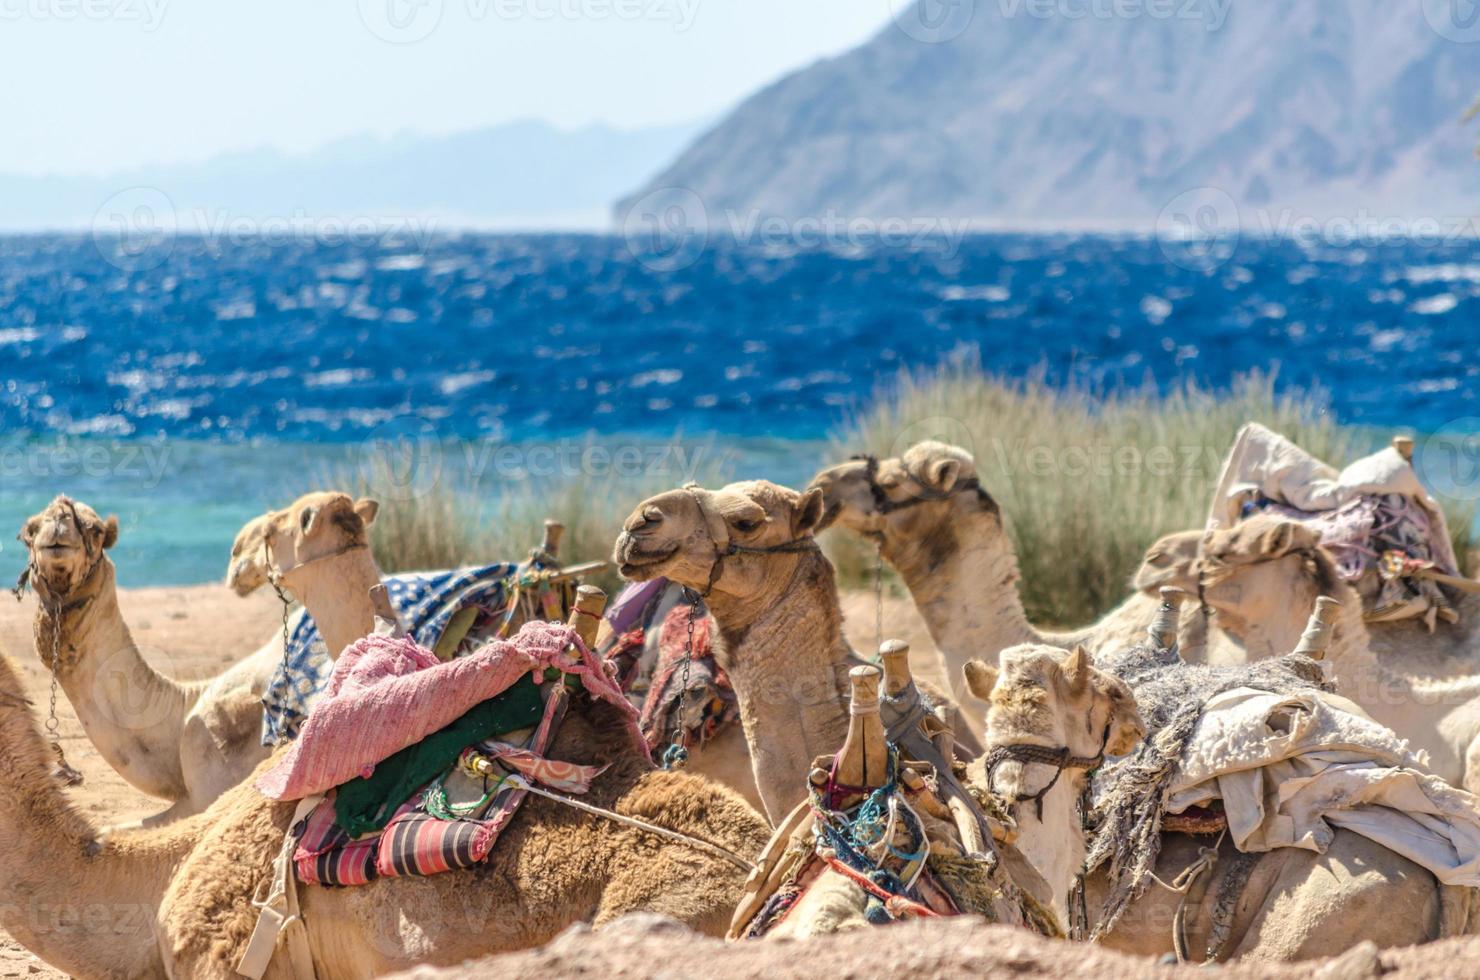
[1088,480]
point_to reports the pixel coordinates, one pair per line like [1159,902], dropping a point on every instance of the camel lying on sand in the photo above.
[1296,904]
[1261,578]
[938,527]
[178,900]
[748,548]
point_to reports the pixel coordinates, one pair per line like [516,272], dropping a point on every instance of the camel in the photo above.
[941,530]
[748,550]
[1261,578]
[183,741]
[178,900]
[1296,904]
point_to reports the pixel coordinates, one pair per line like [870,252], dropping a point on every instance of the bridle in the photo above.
[730,548]
[1059,758]
[924,495]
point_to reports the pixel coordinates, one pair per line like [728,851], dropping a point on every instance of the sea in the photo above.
[189,383]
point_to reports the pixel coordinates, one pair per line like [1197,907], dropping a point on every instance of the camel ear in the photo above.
[367,508]
[1126,727]
[110,531]
[1277,540]
[942,474]
[981,677]
[1077,666]
[809,510]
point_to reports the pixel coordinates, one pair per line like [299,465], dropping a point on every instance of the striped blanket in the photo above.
[425,603]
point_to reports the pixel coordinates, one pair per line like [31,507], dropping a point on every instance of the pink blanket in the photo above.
[387,693]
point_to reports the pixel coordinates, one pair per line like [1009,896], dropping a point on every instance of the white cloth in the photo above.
[1291,769]
[1263,463]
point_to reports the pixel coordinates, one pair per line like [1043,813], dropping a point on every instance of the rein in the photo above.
[794,546]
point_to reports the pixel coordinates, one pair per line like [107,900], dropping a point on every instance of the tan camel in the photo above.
[177,901]
[938,527]
[1296,904]
[1261,579]
[748,549]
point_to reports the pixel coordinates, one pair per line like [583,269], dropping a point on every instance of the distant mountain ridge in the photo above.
[521,174]
[1280,109]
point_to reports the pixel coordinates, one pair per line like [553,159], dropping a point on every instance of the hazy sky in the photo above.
[95,85]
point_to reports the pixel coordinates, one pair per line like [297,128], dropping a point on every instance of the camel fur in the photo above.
[176,901]
[1296,904]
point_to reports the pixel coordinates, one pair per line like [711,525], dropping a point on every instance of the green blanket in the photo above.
[364,805]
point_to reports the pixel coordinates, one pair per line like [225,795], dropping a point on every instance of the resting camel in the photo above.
[184,741]
[938,527]
[1261,578]
[1296,905]
[177,901]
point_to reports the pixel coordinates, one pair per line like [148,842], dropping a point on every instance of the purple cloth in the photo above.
[632,602]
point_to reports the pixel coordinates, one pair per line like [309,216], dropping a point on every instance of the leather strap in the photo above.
[280,916]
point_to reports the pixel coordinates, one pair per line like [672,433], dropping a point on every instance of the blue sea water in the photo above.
[245,363]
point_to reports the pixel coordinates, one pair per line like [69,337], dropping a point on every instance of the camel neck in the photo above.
[133,714]
[786,664]
[336,592]
[1054,844]
[86,907]
[963,579]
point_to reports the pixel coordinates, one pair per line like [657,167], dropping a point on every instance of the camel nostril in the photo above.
[649,516]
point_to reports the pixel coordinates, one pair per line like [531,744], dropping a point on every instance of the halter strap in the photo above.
[716,567]
[926,495]
[1059,758]
[31,574]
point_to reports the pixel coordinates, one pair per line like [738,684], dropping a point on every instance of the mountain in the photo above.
[1055,112]
[522,174]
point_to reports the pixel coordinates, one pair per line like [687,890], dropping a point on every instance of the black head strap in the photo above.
[883,505]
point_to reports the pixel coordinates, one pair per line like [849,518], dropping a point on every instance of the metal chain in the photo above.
[64,771]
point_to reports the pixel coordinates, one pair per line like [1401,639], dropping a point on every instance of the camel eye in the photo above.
[745,525]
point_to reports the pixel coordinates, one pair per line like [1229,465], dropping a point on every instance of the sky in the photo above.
[95,86]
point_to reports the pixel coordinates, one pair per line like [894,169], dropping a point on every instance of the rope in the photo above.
[519,782]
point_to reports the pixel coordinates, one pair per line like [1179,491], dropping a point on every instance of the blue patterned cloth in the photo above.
[424,601]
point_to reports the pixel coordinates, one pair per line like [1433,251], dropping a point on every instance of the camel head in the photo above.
[1265,574]
[911,498]
[1045,697]
[1171,562]
[66,542]
[740,542]
[316,525]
